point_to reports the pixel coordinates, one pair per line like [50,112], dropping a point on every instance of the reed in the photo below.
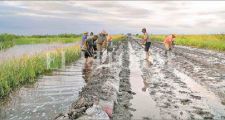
[17,72]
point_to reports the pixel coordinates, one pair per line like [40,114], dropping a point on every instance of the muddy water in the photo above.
[49,96]
[144,105]
[20,50]
[183,88]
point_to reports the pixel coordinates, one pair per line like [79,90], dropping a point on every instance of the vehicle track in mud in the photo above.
[184,87]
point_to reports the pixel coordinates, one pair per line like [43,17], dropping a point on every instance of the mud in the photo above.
[186,84]
[102,83]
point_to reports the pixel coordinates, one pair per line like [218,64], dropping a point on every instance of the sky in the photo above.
[158,17]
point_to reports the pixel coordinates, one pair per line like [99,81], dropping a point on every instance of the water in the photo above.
[49,96]
[20,50]
[144,105]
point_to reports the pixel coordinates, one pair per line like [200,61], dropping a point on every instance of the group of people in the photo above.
[93,45]
[168,42]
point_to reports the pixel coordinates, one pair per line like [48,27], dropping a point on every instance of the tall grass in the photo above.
[17,72]
[212,41]
[6,41]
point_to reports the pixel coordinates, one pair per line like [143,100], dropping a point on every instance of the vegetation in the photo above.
[6,40]
[118,37]
[17,72]
[9,40]
[36,39]
[212,41]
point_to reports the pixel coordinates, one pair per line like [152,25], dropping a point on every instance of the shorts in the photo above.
[147,46]
[95,47]
[88,54]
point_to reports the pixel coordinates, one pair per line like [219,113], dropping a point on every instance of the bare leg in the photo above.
[147,55]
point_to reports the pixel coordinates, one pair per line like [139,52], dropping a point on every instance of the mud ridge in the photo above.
[103,83]
[121,110]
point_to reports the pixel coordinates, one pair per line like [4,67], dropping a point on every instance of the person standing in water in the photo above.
[169,42]
[88,53]
[84,38]
[147,42]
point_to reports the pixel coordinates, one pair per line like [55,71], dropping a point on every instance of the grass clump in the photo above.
[26,69]
[6,41]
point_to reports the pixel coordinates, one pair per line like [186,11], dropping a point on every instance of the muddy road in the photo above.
[189,83]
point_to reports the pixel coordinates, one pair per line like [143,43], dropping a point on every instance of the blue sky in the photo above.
[159,17]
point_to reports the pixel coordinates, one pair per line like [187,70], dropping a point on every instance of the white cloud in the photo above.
[160,17]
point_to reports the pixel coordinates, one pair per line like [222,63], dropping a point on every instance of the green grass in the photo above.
[38,40]
[6,41]
[212,41]
[26,69]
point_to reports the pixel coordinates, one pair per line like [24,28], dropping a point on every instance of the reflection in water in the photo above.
[148,109]
[87,70]
[49,96]
[146,85]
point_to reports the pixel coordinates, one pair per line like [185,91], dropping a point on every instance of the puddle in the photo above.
[144,105]
[210,98]
[48,97]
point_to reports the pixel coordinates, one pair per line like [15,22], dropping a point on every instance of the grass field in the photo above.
[9,40]
[213,42]
[16,72]
[36,40]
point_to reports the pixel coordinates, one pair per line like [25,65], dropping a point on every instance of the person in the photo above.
[84,38]
[147,42]
[88,53]
[101,41]
[109,43]
[169,42]
[91,35]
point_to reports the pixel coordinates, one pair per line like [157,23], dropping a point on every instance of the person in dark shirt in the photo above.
[88,54]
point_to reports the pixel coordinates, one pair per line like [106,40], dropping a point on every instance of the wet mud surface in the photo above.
[184,87]
[189,83]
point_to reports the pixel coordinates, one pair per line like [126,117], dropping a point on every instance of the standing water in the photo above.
[49,96]
[144,105]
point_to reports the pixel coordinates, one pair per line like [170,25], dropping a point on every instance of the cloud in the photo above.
[166,16]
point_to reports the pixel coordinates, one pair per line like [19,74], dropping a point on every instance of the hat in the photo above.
[85,32]
[103,32]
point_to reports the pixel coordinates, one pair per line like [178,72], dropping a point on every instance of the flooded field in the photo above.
[20,50]
[50,95]
[189,83]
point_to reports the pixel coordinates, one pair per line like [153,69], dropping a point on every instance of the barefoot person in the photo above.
[88,53]
[109,43]
[169,42]
[147,42]
[100,42]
